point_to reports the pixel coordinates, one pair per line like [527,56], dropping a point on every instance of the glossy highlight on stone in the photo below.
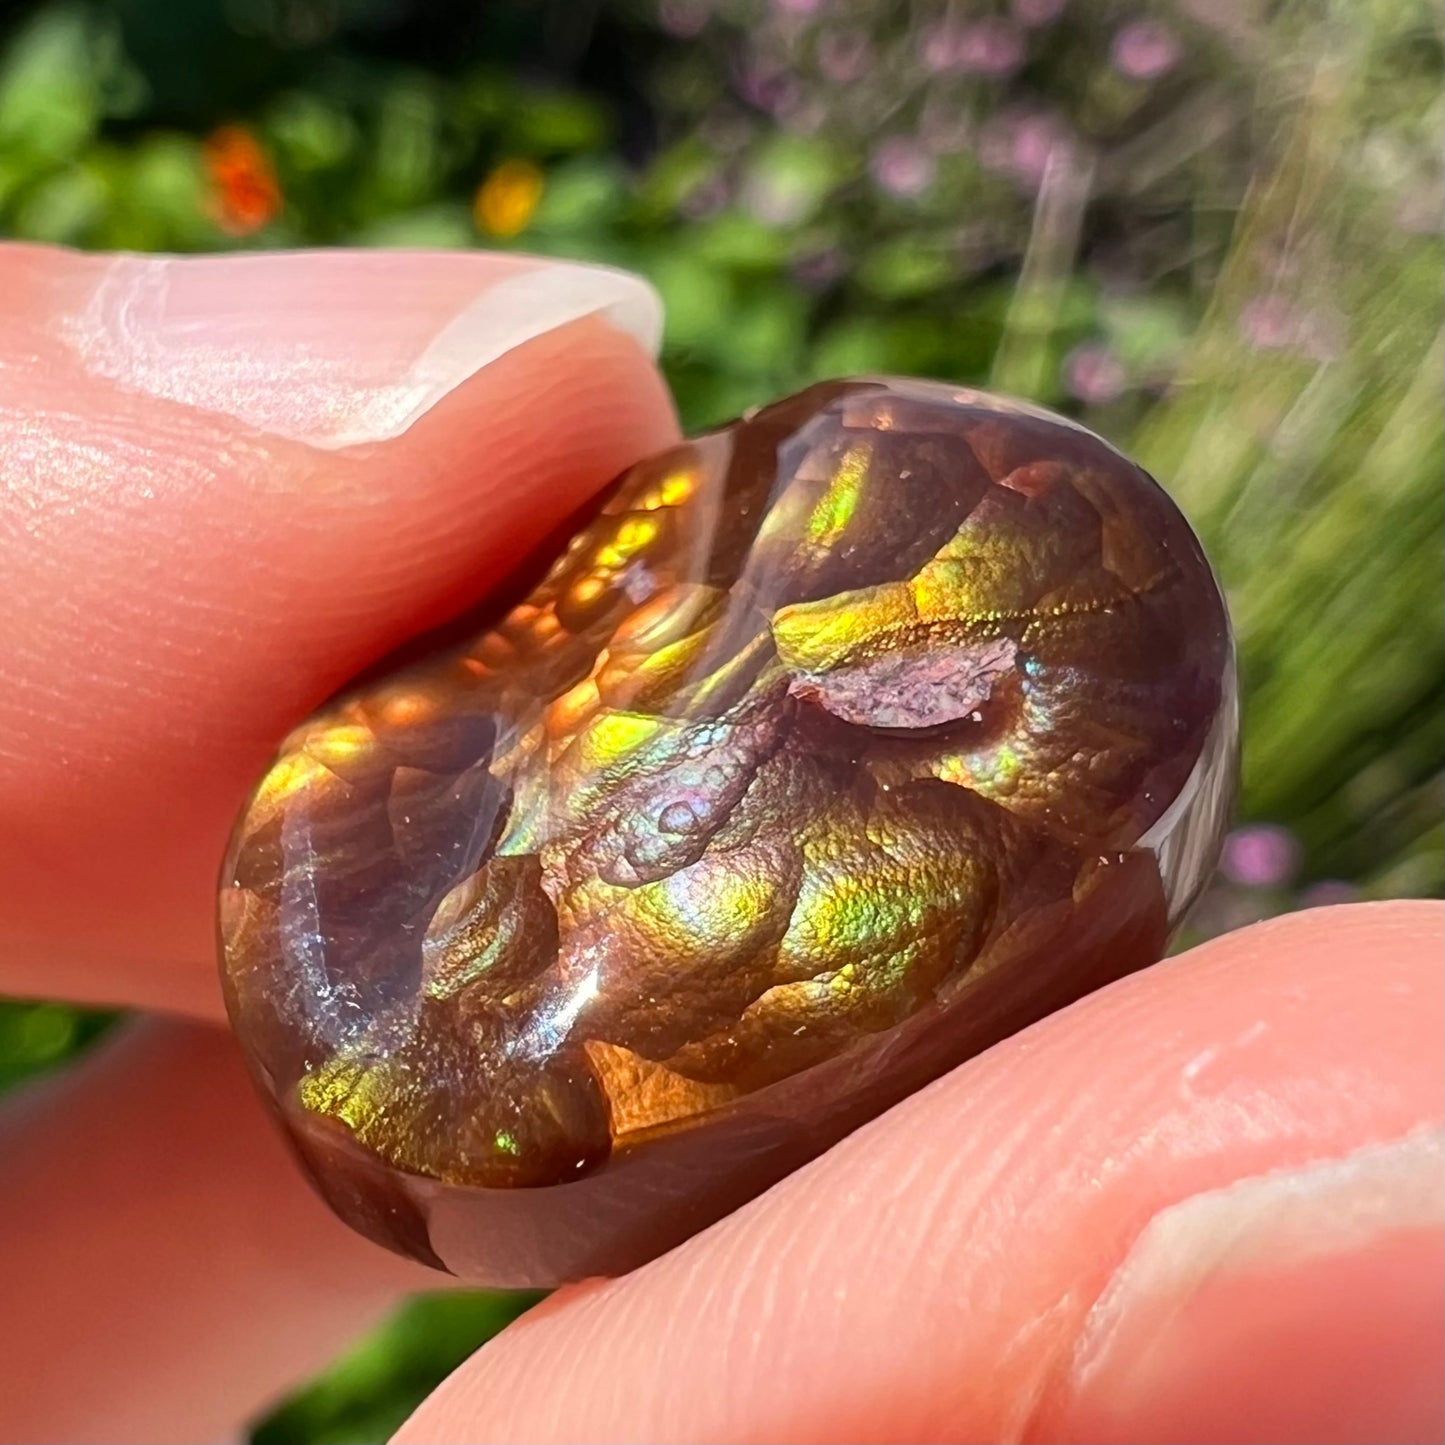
[843,742]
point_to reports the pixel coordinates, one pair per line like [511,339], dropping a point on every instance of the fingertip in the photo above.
[930,1277]
[185,585]
[332,348]
[1305,1304]
[166,1268]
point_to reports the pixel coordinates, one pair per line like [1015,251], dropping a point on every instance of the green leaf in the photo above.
[698,300]
[906,268]
[763,337]
[854,345]
[673,176]
[554,121]
[310,133]
[737,242]
[50,86]
[405,159]
[1146,332]
[580,195]
[64,208]
[365,1396]
[444,225]
[790,176]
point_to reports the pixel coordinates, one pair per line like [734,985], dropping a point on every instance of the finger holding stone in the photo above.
[1204,1203]
[167,1271]
[226,485]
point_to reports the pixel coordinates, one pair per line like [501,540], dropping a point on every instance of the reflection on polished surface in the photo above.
[843,742]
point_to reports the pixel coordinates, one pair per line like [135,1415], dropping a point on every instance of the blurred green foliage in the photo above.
[1209,228]
[367,1394]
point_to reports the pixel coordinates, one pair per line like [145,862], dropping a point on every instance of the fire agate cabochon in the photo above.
[845,741]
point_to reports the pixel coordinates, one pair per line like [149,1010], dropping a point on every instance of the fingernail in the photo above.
[333,348]
[1304,1304]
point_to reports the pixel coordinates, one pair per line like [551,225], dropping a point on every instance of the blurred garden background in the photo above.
[1208,228]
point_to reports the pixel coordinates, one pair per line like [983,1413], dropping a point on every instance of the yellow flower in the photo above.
[506,200]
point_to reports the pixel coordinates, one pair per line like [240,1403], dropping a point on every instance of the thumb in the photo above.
[226,485]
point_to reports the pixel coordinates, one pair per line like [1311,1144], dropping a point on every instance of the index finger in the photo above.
[226,486]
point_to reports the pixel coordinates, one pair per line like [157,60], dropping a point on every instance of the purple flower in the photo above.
[936,47]
[1145,50]
[990,47]
[768,87]
[844,56]
[1093,373]
[902,167]
[1021,143]
[1271,323]
[1327,892]
[1262,855]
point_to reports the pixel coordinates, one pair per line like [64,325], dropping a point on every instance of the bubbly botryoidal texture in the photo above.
[844,741]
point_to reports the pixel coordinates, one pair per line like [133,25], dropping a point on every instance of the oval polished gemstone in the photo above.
[842,743]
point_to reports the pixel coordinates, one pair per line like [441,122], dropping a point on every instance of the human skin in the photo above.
[1203,1204]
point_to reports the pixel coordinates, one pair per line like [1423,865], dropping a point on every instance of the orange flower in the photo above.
[244,192]
[507,199]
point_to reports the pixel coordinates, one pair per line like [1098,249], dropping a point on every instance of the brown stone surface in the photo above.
[843,742]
